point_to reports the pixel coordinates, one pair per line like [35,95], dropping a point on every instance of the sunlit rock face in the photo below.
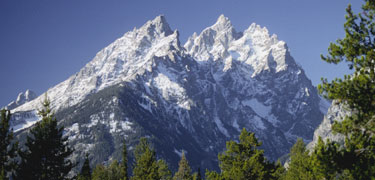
[190,98]
[22,98]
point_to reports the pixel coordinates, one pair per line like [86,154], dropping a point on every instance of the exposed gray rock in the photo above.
[192,98]
[337,112]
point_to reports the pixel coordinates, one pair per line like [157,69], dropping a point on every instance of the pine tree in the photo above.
[163,170]
[47,151]
[145,167]
[99,172]
[125,161]
[243,160]
[278,171]
[300,163]
[184,170]
[8,149]
[113,172]
[356,92]
[326,160]
[85,173]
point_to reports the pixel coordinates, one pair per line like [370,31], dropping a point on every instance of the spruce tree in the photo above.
[278,171]
[8,149]
[163,170]
[99,172]
[47,151]
[113,172]
[184,170]
[356,92]
[145,167]
[300,163]
[326,160]
[243,160]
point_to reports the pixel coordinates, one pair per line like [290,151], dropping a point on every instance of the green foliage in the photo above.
[213,175]
[145,167]
[99,172]
[184,170]
[113,172]
[244,160]
[300,163]
[278,172]
[2,174]
[163,170]
[325,160]
[46,156]
[357,93]
[8,149]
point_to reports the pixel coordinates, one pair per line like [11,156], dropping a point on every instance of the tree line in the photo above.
[46,153]
[46,157]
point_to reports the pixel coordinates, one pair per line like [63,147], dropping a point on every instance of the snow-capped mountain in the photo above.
[122,60]
[22,98]
[188,98]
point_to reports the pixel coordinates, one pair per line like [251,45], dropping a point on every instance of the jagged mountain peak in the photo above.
[22,98]
[192,98]
[28,95]
[123,60]
[261,36]
[215,37]
[222,23]
[221,42]
[158,26]
[133,54]
[256,27]
[222,19]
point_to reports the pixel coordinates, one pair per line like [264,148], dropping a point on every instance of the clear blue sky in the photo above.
[43,42]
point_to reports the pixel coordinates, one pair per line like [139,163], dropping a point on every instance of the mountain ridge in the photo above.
[22,98]
[198,95]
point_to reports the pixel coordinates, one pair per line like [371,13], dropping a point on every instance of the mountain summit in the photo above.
[22,98]
[192,98]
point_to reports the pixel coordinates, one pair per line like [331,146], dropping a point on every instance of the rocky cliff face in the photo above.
[190,98]
[336,112]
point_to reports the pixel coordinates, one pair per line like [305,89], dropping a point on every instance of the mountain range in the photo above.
[192,97]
